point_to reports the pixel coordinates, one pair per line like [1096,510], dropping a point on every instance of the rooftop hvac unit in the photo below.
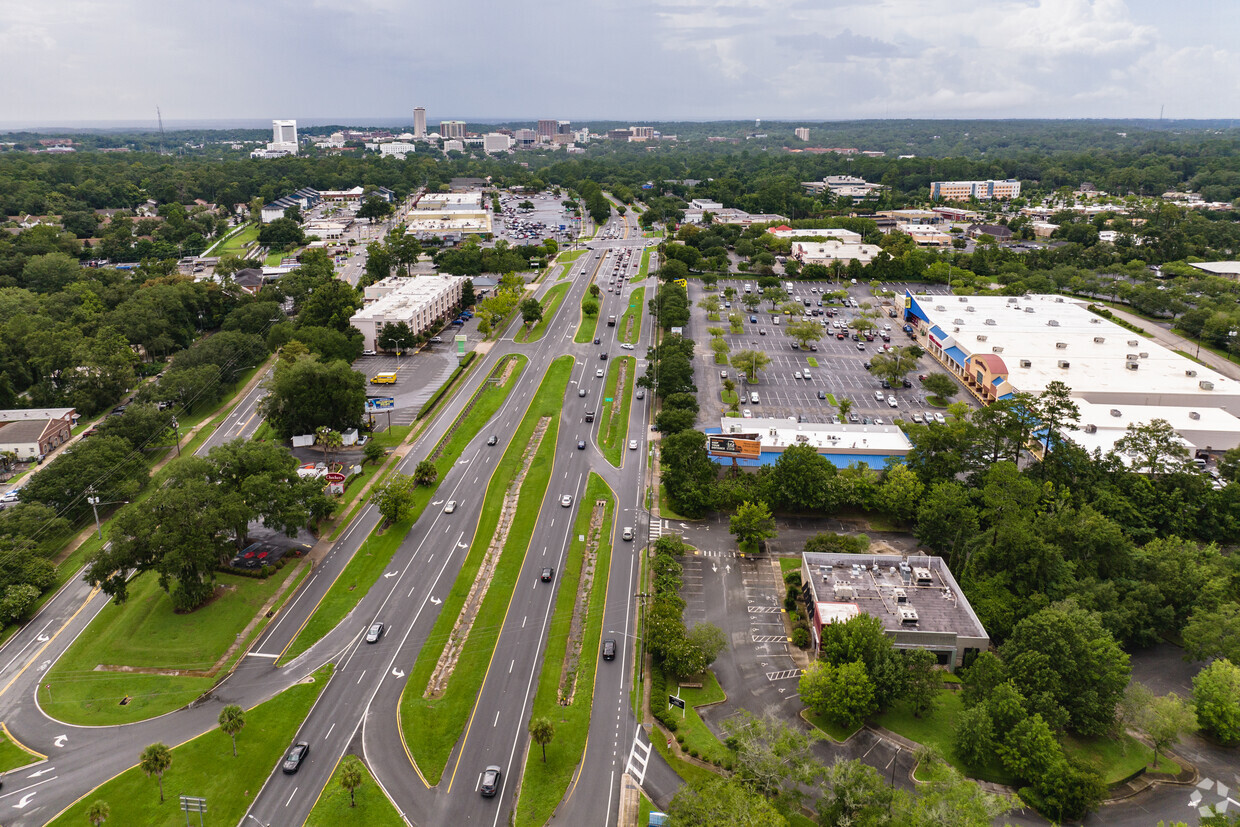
[1063,363]
[1099,340]
[1029,310]
[1061,345]
[1206,385]
[1144,355]
[990,322]
[1190,373]
[981,337]
[1091,429]
[964,299]
[1133,343]
[899,594]
[1194,415]
[1116,412]
[1095,321]
[970,309]
[1052,323]
[922,575]
[940,308]
[1025,363]
[997,349]
[1132,366]
[957,321]
[843,590]
[1131,357]
[1059,300]
[1013,300]
[908,616]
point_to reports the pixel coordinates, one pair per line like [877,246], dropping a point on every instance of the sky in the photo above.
[656,60]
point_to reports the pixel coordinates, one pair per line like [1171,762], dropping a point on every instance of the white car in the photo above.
[450,507]
[748,414]
[939,418]
[598,374]
[632,445]
[797,375]
[566,500]
[891,401]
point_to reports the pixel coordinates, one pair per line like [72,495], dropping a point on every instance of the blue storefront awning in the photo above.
[955,354]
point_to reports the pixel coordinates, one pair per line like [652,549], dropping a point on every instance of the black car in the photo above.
[602,356]
[492,440]
[906,383]
[548,573]
[597,340]
[822,394]
[609,649]
[374,633]
[295,757]
[489,785]
[581,445]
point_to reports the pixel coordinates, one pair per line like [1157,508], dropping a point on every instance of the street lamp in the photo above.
[94,506]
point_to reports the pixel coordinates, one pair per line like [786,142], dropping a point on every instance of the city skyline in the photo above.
[832,61]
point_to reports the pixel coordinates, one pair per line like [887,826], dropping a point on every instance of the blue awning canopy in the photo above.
[955,354]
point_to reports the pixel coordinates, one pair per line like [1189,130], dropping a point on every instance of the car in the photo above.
[627,534]
[917,418]
[374,633]
[822,394]
[723,374]
[753,319]
[603,356]
[548,574]
[928,416]
[921,377]
[891,402]
[566,500]
[450,507]
[632,445]
[295,757]
[369,353]
[488,786]
[865,420]
[878,396]
[796,346]
[747,414]
[762,331]
[626,346]
[861,346]
[581,445]
[854,419]
[597,340]
[89,432]
[839,334]
[581,391]
[886,385]
[436,340]
[492,439]
[609,649]
[906,383]
[939,418]
[797,375]
[598,374]
[641,393]
[813,347]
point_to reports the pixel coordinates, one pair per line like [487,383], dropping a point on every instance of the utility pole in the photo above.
[160,116]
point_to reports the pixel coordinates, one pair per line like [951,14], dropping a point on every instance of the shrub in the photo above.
[800,637]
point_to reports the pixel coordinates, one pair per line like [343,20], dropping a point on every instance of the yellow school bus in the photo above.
[386,378]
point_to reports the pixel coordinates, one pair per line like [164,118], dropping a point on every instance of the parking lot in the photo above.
[519,226]
[418,375]
[833,370]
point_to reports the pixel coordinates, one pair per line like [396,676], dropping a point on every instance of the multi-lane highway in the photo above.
[358,709]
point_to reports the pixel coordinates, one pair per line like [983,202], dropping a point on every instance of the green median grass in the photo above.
[372,809]
[697,735]
[145,632]
[205,767]
[550,304]
[730,397]
[836,732]
[612,430]
[369,562]
[631,321]
[12,756]
[644,268]
[566,259]
[588,329]
[813,363]
[431,728]
[690,773]
[544,783]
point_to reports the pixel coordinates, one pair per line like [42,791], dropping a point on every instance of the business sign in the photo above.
[460,344]
[734,445]
[908,301]
[379,403]
[679,703]
[334,477]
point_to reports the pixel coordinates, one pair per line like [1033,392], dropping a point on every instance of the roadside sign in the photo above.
[460,344]
[334,477]
[380,403]
[672,700]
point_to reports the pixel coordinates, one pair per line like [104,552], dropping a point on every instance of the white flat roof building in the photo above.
[449,212]
[422,302]
[1200,428]
[843,445]
[825,252]
[817,232]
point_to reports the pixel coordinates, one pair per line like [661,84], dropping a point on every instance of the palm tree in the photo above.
[542,731]
[98,812]
[155,760]
[232,719]
[329,440]
[845,405]
[351,777]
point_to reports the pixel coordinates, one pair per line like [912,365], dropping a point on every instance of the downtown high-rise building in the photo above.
[283,137]
[452,129]
[547,128]
[419,122]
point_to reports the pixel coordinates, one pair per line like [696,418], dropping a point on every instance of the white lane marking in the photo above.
[512,664]
[329,731]
[359,677]
[290,797]
[496,721]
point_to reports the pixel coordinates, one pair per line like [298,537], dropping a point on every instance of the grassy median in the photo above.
[566,259]
[371,808]
[369,562]
[145,633]
[432,727]
[631,321]
[205,767]
[550,303]
[544,784]
[613,430]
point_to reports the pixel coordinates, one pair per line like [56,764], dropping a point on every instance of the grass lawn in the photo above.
[550,304]
[588,329]
[733,414]
[612,430]
[145,632]
[274,259]
[688,772]
[644,267]
[665,506]
[13,756]
[432,727]
[735,327]
[831,399]
[373,807]
[566,259]
[730,397]
[370,560]
[544,784]
[721,358]
[698,736]
[787,564]
[237,244]
[829,728]
[206,766]
[1116,759]
[645,808]
[813,363]
[631,322]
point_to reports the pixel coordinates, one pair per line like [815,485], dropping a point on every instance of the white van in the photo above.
[753,398]
[748,288]
[788,286]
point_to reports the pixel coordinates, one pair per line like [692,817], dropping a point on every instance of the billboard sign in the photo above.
[379,403]
[734,445]
[460,344]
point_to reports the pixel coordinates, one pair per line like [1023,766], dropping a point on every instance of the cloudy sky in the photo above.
[86,60]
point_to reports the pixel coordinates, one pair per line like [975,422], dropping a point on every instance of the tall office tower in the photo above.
[283,137]
[546,129]
[452,129]
[419,122]
[564,128]
[801,132]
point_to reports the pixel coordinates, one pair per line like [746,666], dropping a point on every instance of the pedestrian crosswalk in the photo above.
[639,757]
[764,610]
[770,638]
[728,554]
[656,529]
[783,675]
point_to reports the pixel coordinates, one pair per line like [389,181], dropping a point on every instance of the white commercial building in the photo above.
[397,149]
[1002,345]
[826,252]
[283,138]
[449,212]
[422,302]
[784,231]
[762,441]
[496,142]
